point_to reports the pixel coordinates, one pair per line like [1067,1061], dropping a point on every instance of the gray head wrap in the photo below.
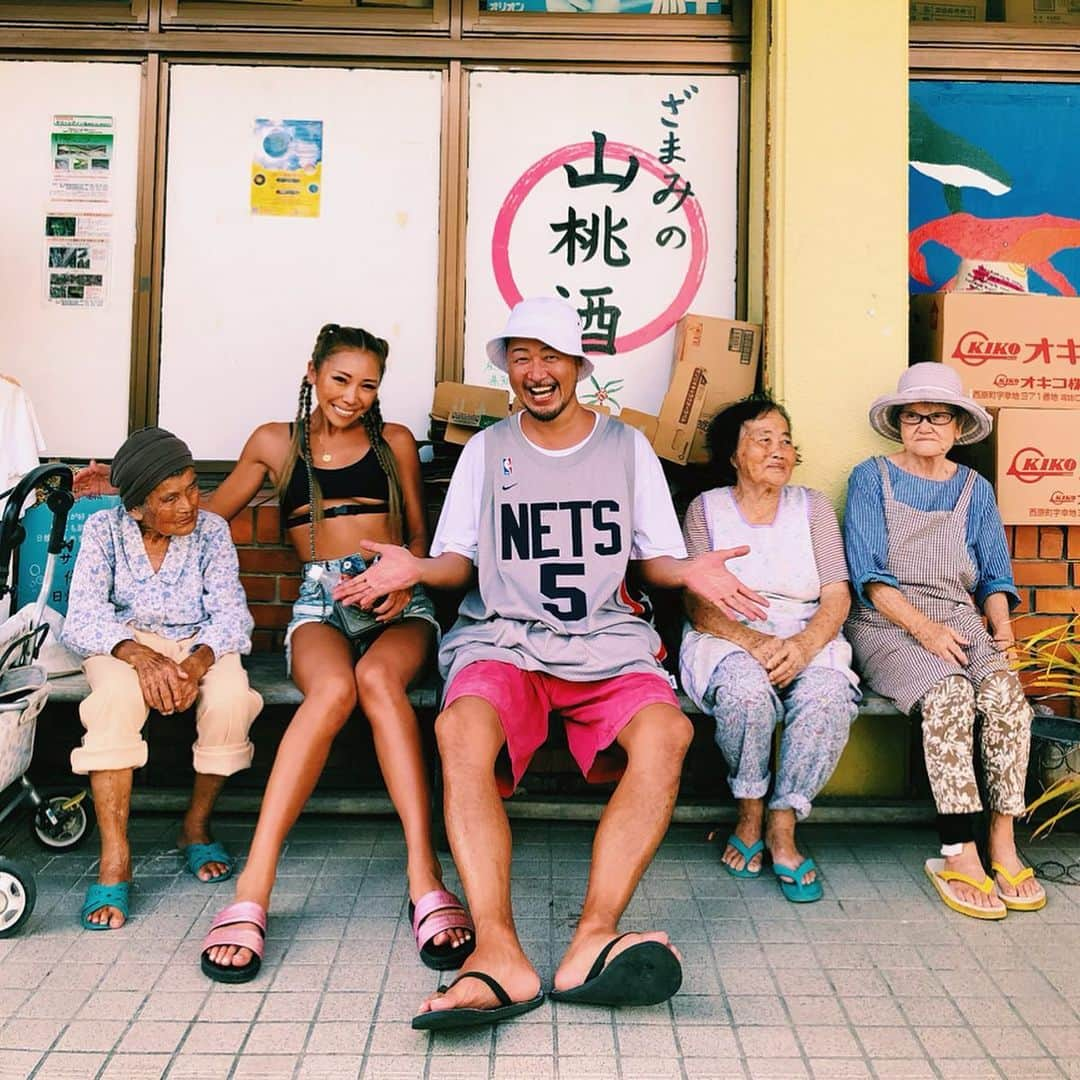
[149,456]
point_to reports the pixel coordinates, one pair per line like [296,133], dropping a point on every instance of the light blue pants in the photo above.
[816,709]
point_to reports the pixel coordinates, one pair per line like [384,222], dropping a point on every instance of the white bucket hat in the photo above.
[547,319]
[935,384]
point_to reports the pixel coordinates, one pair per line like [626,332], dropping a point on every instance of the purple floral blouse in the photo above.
[196,592]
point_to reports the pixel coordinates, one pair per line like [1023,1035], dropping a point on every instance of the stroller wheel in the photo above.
[18,893]
[63,821]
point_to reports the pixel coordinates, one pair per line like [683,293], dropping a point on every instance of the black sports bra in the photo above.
[362,479]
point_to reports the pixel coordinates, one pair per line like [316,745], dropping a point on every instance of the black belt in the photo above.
[347,510]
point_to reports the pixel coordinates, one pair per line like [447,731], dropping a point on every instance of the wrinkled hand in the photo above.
[765,647]
[943,641]
[708,577]
[788,661]
[1002,637]
[165,685]
[397,570]
[92,479]
[195,667]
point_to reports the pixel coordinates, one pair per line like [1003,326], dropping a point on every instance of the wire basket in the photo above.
[18,721]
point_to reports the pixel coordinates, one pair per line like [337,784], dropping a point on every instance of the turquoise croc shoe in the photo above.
[99,896]
[198,855]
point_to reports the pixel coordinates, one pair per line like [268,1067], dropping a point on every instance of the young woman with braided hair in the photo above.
[343,477]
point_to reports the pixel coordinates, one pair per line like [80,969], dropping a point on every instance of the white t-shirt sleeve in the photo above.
[458,530]
[656,526]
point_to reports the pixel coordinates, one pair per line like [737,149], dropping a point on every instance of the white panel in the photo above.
[75,362]
[518,189]
[245,295]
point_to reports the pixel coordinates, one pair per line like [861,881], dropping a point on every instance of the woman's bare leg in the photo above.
[383,675]
[322,667]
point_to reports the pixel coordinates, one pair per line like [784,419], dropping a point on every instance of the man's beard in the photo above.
[553,413]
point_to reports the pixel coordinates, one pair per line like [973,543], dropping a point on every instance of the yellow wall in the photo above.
[832,238]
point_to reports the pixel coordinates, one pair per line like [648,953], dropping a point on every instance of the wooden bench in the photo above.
[872,782]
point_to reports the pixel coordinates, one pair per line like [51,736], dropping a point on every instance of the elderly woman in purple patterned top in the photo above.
[791,668]
[157,610]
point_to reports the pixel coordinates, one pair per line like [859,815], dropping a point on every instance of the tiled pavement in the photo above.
[876,980]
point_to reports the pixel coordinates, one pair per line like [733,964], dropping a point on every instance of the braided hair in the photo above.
[331,339]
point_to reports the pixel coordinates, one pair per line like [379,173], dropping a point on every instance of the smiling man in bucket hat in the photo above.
[544,513]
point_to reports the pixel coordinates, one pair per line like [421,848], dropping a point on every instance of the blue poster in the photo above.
[993,176]
[38,524]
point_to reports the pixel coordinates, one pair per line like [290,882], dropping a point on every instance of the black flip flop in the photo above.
[452,1019]
[644,974]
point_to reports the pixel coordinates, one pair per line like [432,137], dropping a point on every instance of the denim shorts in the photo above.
[315,604]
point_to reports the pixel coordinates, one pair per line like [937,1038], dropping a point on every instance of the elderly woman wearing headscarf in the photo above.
[157,610]
[926,550]
[792,668]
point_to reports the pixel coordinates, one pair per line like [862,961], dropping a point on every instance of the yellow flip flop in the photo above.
[940,877]
[1019,903]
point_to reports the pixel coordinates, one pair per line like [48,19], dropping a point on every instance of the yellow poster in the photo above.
[286,168]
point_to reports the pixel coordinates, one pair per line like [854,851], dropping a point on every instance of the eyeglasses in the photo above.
[938,419]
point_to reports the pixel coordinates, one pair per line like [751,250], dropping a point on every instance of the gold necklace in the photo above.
[325,456]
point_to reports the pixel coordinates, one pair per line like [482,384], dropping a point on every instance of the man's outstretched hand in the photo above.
[92,479]
[396,571]
[707,576]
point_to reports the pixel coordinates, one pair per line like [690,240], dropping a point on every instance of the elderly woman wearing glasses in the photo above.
[926,551]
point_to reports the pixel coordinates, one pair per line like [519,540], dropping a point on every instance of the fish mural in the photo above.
[953,161]
[991,178]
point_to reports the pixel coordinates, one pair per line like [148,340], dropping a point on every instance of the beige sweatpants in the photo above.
[114,713]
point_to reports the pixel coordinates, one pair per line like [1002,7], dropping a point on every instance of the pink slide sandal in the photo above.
[435,913]
[224,930]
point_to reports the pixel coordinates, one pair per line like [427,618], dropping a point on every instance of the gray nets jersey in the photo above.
[554,543]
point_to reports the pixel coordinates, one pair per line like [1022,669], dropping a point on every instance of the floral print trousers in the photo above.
[816,709]
[949,709]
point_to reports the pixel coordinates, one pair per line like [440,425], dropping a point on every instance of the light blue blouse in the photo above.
[866,541]
[196,592]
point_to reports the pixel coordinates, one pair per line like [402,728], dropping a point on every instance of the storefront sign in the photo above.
[616,193]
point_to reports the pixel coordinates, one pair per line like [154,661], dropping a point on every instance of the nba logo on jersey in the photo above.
[507,467]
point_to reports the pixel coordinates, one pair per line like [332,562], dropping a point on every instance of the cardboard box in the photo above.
[1043,12]
[644,422]
[728,351]
[676,425]
[947,11]
[467,409]
[1038,475]
[1011,351]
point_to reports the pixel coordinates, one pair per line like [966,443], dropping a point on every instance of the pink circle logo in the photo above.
[691,208]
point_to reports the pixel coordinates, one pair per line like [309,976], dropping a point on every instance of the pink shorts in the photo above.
[593,712]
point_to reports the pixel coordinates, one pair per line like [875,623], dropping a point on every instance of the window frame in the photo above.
[206,14]
[733,27]
[615,45]
[93,13]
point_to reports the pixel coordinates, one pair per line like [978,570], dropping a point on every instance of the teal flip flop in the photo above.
[99,896]
[791,882]
[747,853]
[198,855]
